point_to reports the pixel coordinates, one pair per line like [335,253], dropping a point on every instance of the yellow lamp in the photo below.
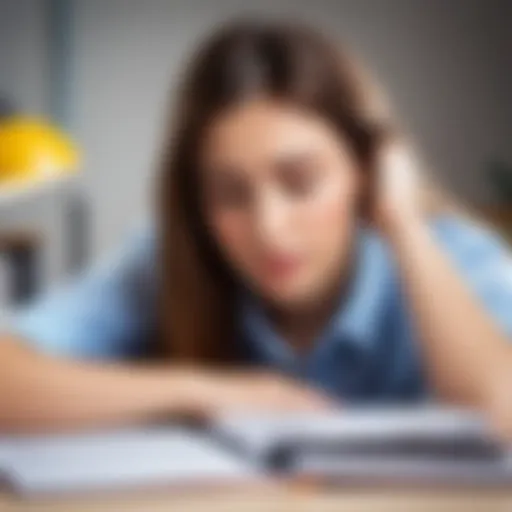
[33,152]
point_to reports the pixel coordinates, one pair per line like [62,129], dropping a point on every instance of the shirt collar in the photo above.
[358,317]
[260,334]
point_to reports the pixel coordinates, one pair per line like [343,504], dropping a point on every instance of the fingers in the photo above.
[277,393]
[292,395]
[264,392]
[316,400]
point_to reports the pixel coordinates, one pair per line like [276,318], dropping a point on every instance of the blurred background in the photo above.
[102,70]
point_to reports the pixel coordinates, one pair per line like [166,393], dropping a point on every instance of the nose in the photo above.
[270,218]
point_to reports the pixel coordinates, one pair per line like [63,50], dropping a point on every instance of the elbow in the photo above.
[17,414]
[15,395]
[8,424]
[10,403]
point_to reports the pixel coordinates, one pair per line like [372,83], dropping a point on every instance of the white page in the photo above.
[124,458]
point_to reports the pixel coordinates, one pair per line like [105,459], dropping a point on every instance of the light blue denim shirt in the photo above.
[369,350]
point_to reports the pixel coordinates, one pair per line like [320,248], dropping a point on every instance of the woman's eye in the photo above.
[299,181]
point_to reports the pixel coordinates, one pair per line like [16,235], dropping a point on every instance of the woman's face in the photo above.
[280,193]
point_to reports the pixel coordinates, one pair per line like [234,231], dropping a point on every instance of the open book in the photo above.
[426,445]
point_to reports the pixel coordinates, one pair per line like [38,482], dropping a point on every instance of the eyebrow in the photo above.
[299,156]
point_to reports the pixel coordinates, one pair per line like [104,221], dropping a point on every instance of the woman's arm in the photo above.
[48,379]
[40,392]
[468,357]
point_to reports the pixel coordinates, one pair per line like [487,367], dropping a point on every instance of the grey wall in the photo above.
[445,63]
[22,52]
[505,79]
[442,60]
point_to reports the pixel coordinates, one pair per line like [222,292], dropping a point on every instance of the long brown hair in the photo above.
[288,61]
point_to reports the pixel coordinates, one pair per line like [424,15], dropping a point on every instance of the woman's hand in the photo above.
[466,352]
[397,188]
[256,391]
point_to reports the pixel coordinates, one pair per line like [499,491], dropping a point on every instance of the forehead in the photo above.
[261,129]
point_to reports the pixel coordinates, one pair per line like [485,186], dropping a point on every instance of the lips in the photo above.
[279,267]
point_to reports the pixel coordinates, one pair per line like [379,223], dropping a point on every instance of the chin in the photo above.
[290,295]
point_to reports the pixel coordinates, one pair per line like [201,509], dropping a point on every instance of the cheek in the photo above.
[231,232]
[331,212]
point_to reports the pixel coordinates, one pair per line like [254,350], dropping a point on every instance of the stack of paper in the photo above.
[426,443]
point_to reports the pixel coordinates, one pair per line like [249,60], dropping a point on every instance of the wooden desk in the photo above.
[276,500]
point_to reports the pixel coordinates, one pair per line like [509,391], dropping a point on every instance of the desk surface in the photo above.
[275,500]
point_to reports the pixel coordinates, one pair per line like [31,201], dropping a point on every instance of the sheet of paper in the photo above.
[121,458]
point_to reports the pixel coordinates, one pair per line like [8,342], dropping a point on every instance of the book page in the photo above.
[120,458]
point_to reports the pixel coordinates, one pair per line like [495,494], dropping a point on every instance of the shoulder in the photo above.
[136,250]
[142,237]
[466,236]
[475,248]
[104,311]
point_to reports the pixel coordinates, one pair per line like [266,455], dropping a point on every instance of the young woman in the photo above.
[299,261]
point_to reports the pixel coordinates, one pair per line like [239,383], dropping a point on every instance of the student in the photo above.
[299,260]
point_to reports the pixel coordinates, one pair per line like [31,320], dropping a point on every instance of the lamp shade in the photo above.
[33,151]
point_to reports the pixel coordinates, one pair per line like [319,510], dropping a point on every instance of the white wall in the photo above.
[445,63]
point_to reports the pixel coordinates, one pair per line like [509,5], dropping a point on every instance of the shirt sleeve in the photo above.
[104,313]
[485,262]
